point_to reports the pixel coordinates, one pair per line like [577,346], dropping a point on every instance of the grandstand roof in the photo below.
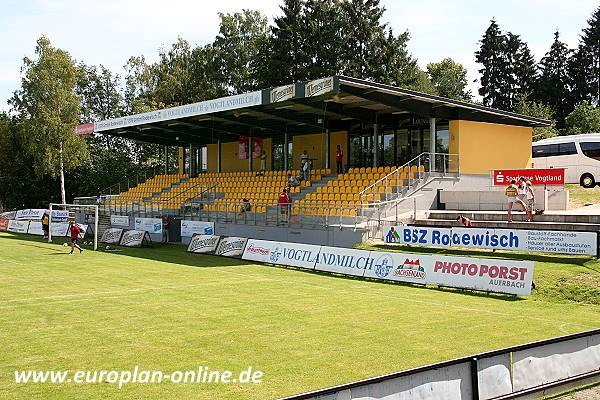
[332,103]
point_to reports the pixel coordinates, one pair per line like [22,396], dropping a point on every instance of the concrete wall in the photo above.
[482,146]
[346,237]
[495,200]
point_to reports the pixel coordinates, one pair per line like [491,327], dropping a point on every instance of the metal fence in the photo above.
[515,372]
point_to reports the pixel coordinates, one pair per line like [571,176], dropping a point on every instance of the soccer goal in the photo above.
[84,215]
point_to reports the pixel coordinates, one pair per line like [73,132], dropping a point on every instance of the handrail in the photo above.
[127,180]
[190,189]
[401,169]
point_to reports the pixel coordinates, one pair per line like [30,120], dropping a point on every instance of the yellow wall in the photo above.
[230,161]
[336,138]
[482,146]
[314,146]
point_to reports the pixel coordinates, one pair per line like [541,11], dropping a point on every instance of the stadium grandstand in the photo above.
[389,139]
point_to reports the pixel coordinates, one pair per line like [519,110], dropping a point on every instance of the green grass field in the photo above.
[580,196]
[164,309]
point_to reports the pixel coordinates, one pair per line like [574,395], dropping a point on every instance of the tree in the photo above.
[491,55]
[585,65]
[449,78]
[237,45]
[539,110]
[48,108]
[283,52]
[323,43]
[522,70]
[552,86]
[583,119]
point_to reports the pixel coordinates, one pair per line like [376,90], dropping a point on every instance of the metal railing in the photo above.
[402,178]
[128,183]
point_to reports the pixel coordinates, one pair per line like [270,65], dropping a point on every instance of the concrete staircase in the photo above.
[495,219]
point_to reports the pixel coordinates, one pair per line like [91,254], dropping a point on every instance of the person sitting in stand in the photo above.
[246,206]
[464,221]
[292,181]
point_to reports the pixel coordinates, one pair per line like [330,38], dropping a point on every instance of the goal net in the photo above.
[85,216]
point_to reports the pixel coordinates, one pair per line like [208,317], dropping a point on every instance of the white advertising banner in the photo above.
[8,215]
[119,220]
[344,261]
[60,215]
[203,244]
[59,229]
[151,225]
[18,226]
[560,242]
[188,110]
[112,236]
[35,228]
[30,213]
[231,247]
[494,275]
[189,228]
[282,253]
[133,238]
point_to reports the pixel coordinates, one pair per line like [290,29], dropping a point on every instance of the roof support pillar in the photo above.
[250,151]
[327,145]
[285,150]
[375,141]
[432,144]
[219,155]
[166,158]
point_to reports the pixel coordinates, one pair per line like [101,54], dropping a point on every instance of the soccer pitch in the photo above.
[164,309]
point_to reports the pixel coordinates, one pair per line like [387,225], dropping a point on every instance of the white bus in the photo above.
[578,154]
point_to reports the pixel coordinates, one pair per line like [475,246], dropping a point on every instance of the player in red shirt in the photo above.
[75,231]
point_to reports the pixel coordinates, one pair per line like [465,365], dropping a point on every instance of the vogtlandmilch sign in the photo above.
[493,275]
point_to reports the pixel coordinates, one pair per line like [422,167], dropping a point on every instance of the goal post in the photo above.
[74,207]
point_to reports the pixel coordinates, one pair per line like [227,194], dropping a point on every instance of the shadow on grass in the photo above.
[547,258]
[168,253]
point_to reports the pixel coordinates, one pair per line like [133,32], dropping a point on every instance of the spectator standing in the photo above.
[303,157]
[284,204]
[263,161]
[305,172]
[166,223]
[339,156]
[45,225]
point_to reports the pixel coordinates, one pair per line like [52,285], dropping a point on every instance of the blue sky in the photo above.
[108,32]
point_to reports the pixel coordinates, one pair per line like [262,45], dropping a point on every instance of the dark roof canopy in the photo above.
[332,103]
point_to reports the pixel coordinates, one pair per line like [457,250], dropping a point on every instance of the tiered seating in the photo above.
[147,189]
[342,195]
[262,191]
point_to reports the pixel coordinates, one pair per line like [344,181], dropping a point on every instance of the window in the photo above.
[550,150]
[547,150]
[591,149]
[565,149]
